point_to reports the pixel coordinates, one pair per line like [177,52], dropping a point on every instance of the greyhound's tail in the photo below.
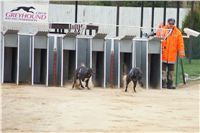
[124,80]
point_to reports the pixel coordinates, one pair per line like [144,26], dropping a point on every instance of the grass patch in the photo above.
[192,69]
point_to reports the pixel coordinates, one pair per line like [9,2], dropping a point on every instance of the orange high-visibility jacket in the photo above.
[171,45]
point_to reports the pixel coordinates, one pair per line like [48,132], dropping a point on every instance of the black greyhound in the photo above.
[83,74]
[27,9]
[135,75]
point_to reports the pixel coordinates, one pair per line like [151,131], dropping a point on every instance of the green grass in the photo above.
[192,69]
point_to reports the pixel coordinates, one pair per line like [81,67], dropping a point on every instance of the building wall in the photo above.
[105,16]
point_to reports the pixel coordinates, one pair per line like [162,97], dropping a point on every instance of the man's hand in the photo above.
[181,54]
[160,25]
[181,57]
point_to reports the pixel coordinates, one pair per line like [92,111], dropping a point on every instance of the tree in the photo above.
[192,20]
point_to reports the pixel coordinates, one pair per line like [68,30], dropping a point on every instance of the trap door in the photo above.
[141,58]
[98,61]
[83,51]
[9,56]
[40,58]
[25,58]
[126,44]
[155,63]
[69,57]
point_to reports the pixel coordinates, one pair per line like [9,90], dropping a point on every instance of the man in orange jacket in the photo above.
[172,44]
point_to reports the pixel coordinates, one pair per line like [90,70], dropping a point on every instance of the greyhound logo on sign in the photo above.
[27,9]
[27,12]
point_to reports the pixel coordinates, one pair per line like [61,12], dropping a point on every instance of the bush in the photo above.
[196,20]
[196,26]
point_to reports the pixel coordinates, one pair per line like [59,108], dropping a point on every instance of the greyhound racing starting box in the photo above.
[9,56]
[148,57]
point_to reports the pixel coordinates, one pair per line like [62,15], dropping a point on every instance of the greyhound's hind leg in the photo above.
[134,85]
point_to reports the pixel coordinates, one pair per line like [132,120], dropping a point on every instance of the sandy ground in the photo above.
[60,109]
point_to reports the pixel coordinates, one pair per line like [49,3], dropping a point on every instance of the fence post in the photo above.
[164,12]
[117,18]
[76,11]
[141,20]
[191,26]
[152,15]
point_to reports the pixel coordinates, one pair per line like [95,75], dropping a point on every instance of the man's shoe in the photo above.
[170,85]
[164,84]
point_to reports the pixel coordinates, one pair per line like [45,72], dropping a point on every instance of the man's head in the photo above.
[170,23]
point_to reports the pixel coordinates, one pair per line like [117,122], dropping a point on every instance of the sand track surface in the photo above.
[41,109]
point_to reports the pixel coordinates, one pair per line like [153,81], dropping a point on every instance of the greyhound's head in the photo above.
[90,72]
[32,7]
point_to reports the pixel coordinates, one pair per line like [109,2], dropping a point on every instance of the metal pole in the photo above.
[142,13]
[62,63]
[177,62]
[47,72]
[18,50]
[117,19]
[76,11]
[178,14]
[160,65]
[177,71]
[133,55]
[33,54]
[90,52]
[119,64]
[152,17]
[104,85]
[183,75]
[3,56]
[30,49]
[164,12]
[181,61]
[91,57]
[191,26]
[147,65]
[76,52]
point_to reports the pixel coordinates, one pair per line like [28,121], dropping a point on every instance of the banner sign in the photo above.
[25,12]
[80,28]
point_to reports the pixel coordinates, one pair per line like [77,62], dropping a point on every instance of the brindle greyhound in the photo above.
[135,75]
[82,74]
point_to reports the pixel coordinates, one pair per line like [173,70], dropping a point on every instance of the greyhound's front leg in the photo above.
[87,81]
[81,83]
[74,83]
[127,82]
